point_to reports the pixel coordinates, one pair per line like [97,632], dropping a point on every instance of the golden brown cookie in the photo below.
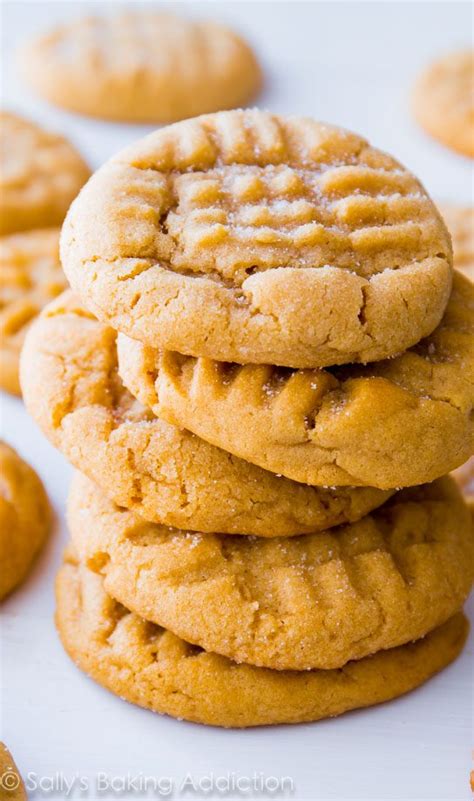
[352,425]
[142,66]
[151,667]
[72,389]
[25,517]
[12,787]
[315,601]
[443,102]
[460,223]
[244,236]
[40,174]
[30,276]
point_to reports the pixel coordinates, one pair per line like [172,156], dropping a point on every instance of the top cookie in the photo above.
[248,237]
[142,67]
[443,102]
[40,174]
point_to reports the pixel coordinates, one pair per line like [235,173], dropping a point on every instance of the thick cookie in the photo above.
[151,667]
[142,67]
[244,236]
[348,426]
[40,174]
[30,276]
[72,389]
[460,223]
[443,102]
[25,518]
[315,601]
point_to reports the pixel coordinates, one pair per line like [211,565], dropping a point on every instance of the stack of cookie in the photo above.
[292,351]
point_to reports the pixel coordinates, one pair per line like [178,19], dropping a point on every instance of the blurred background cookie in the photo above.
[464,475]
[460,223]
[40,174]
[11,783]
[25,518]
[142,66]
[30,276]
[443,101]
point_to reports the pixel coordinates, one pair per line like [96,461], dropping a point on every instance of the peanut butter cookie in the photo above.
[40,174]
[352,425]
[72,389]
[142,66]
[25,518]
[443,101]
[151,667]
[460,222]
[30,276]
[315,601]
[11,783]
[248,237]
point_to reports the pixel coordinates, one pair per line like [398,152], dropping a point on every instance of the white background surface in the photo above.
[348,63]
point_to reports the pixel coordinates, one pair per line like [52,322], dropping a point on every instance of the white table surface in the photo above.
[349,63]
